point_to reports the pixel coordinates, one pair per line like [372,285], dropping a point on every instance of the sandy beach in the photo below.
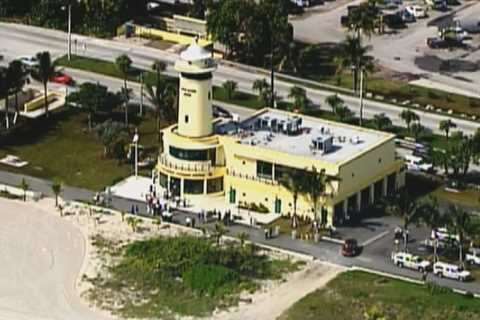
[44,257]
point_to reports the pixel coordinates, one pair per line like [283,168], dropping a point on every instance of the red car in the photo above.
[61,78]
[350,248]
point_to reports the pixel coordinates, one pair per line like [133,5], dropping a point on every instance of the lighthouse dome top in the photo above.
[194,52]
[195,60]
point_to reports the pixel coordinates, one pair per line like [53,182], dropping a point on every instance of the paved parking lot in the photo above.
[406,50]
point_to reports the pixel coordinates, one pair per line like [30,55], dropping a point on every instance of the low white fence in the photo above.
[17,191]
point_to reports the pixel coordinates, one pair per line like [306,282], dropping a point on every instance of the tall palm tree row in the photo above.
[45,70]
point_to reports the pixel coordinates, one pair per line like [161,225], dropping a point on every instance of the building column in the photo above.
[330,213]
[168,184]
[345,207]
[384,186]
[359,200]
[181,187]
[205,186]
[372,193]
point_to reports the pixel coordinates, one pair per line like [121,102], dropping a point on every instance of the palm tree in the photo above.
[263,88]
[158,66]
[417,129]
[219,232]
[407,209]
[363,18]
[334,101]
[316,185]
[381,121]
[229,87]
[433,219]
[158,223]
[446,125]
[300,99]
[409,116]
[56,189]
[243,237]
[353,56]
[295,182]
[344,113]
[24,186]
[124,65]
[460,222]
[161,97]
[46,69]
[18,79]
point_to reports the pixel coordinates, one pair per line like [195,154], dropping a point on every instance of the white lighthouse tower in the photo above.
[195,95]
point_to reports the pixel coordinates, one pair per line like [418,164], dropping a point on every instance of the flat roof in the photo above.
[260,130]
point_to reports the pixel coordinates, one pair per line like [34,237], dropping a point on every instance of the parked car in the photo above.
[61,78]
[350,248]
[444,235]
[415,163]
[28,61]
[417,11]
[471,26]
[451,271]
[439,43]
[301,3]
[473,256]
[437,4]
[408,260]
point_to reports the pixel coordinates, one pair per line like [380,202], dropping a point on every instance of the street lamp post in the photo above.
[136,137]
[361,97]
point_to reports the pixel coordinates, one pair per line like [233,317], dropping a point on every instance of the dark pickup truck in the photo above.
[439,43]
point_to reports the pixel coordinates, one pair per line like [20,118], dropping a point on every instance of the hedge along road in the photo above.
[20,40]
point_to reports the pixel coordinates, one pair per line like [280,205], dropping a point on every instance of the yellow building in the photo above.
[243,161]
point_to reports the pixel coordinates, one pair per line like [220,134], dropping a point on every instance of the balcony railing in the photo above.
[190,166]
[237,174]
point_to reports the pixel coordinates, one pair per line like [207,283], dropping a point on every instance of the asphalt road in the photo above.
[20,40]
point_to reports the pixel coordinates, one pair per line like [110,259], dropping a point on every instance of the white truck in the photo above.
[473,256]
[451,271]
[408,260]
[415,163]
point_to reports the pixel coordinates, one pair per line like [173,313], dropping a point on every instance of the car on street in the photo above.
[473,256]
[471,26]
[61,78]
[443,234]
[408,260]
[417,11]
[450,271]
[415,163]
[28,61]
[350,248]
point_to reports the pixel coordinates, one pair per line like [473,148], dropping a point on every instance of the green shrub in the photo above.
[210,279]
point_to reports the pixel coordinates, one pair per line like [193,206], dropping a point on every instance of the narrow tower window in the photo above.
[186,119]
[209,95]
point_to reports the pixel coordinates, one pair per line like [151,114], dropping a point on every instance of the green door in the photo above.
[278,205]
[233,195]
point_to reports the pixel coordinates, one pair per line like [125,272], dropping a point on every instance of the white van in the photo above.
[451,271]
[415,163]
[301,3]
[416,11]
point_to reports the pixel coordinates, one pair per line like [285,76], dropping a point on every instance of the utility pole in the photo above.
[361,97]
[69,32]
[141,94]
[135,141]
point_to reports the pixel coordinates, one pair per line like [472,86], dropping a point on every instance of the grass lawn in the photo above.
[351,294]
[184,275]
[61,148]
